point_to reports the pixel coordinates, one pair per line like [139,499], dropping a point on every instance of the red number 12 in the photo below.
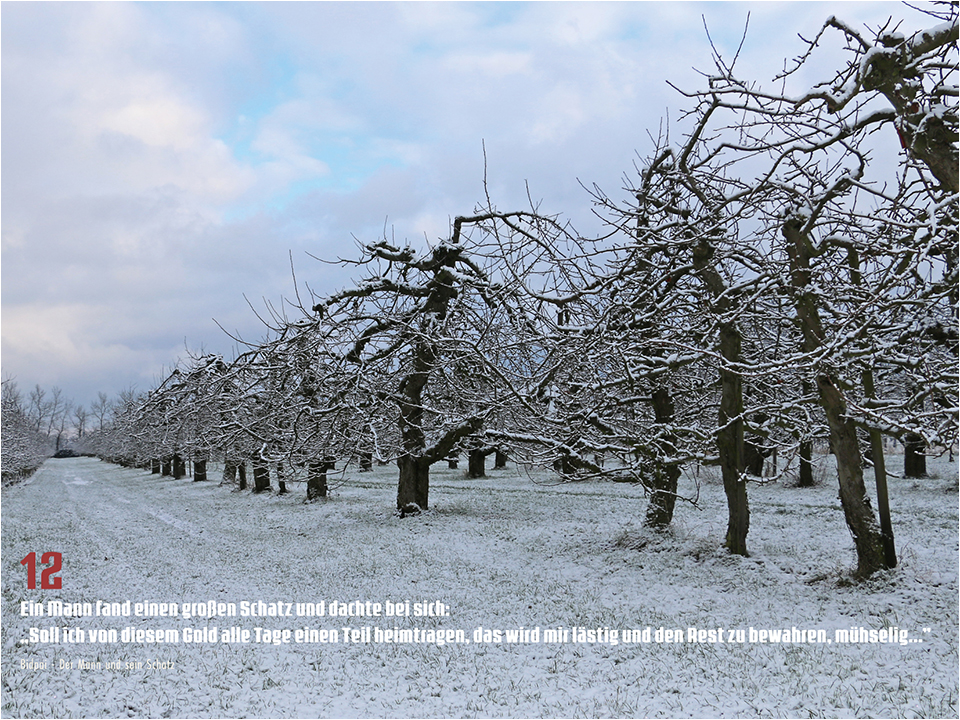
[47,581]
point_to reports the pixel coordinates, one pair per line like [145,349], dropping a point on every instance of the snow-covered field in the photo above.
[501,553]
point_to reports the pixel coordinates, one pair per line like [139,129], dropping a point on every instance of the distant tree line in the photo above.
[779,273]
[41,424]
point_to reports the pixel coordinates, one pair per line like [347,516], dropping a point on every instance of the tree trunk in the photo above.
[914,459]
[730,421]
[414,482]
[261,476]
[843,432]
[414,485]
[730,442]
[806,451]
[880,477]
[317,479]
[883,501]
[166,467]
[753,458]
[564,465]
[281,480]
[366,462]
[806,464]
[477,463]
[242,474]
[155,467]
[499,460]
[199,470]
[755,451]
[663,484]
[875,454]
[453,463]
[229,472]
[179,467]
[853,495]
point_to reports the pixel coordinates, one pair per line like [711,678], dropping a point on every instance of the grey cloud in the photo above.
[130,220]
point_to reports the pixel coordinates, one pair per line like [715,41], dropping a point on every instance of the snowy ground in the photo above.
[502,552]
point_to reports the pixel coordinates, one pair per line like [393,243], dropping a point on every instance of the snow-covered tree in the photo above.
[409,342]
[23,448]
[854,239]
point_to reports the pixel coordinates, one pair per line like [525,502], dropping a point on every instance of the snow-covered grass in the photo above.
[501,552]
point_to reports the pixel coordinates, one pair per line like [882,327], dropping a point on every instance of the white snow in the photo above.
[501,552]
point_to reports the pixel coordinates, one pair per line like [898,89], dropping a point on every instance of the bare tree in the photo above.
[80,416]
[39,408]
[814,193]
[23,448]
[914,74]
[403,322]
[62,423]
[100,409]
[57,408]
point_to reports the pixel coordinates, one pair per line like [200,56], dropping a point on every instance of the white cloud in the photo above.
[494,65]
[132,132]
[156,120]
[111,120]
[59,344]
[582,23]
[561,111]
[289,160]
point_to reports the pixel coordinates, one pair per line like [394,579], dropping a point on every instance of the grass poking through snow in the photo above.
[501,552]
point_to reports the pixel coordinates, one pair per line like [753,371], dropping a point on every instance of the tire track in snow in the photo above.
[172,521]
[111,502]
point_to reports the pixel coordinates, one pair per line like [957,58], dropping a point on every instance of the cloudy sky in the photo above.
[162,161]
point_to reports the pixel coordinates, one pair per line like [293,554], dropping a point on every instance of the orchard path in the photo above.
[502,552]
